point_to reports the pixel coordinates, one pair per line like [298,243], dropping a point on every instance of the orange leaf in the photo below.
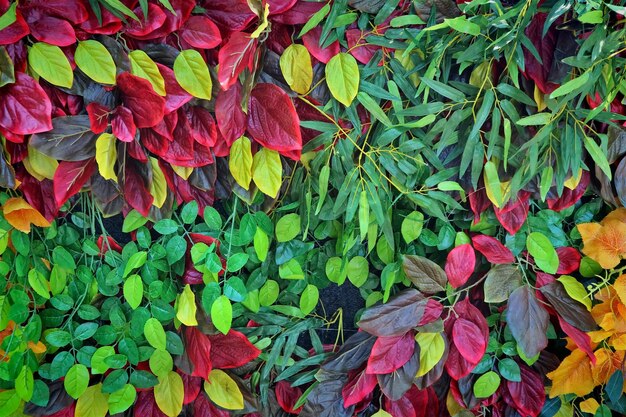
[607,362]
[22,215]
[604,243]
[573,376]
[617,214]
[620,288]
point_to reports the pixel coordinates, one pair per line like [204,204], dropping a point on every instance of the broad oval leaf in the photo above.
[543,252]
[528,321]
[295,64]
[169,394]
[95,61]
[193,74]
[342,77]
[267,171]
[92,403]
[144,67]
[50,62]
[460,265]
[222,314]
[69,138]
[25,107]
[402,313]
[426,275]
[223,390]
[501,281]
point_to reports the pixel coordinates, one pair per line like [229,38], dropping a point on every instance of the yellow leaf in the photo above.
[432,347]
[452,405]
[407,62]
[186,307]
[22,215]
[267,171]
[158,186]
[572,182]
[183,172]
[223,390]
[539,99]
[240,162]
[40,165]
[295,64]
[576,290]
[169,394]
[106,156]
[480,73]
[37,348]
[620,288]
[264,23]
[92,403]
[607,362]
[381,413]
[573,376]
[604,243]
[590,405]
[143,66]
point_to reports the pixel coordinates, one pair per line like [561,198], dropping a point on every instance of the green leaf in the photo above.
[509,369]
[342,77]
[268,294]
[236,262]
[412,226]
[235,290]
[176,248]
[212,218]
[193,74]
[38,283]
[9,402]
[492,183]
[144,67]
[323,190]
[599,156]
[315,19]
[309,298]
[9,17]
[169,394]
[122,399]
[222,314]
[95,61]
[486,384]
[261,244]
[76,380]
[25,383]
[267,171]
[161,362]
[133,221]
[288,227]
[543,252]
[358,271]
[373,108]
[461,24]
[137,260]
[546,182]
[240,162]
[119,6]
[537,119]
[592,17]
[291,270]
[571,85]
[166,226]
[7,70]
[133,290]
[189,212]
[335,270]
[155,334]
[50,63]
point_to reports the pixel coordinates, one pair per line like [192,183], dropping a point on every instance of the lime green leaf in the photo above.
[122,399]
[492,184]
[432,347]
[267,171]
[315,19]
[295,64]
[240,162]
[342,77]
[364,215]
[358,271]
[571,85]
[9,17]
[599,156]
[535,119]
[261,244]
[576,290]
[291,270]
[133,290]
[486,384]
[144,67]
[121,7]
[288,227]
[592,17]
[461,24]
[323,184]
[186,307]
[268,294]
[98,364]
[38,283]
[223,390]
[50,63]
[155,334]
[222,314]
[106,156]
[25,383]
[95,61]
[543,252]
[309,298]
[169,394]
[412,226]
[193,74]
[93,403]
[137,260]
[76,380]
[161,362]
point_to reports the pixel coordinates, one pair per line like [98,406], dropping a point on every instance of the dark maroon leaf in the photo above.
[176,97]
[570,310]
[98,117]
[513,215]
[110,24]
[529,394]
[273,121]
[570,197]
[69,139]
[203,126]
[232,350]
[569,260]
[397,383]
[50,29]
[146,105]
[198,347]
[232,15]
[235,56]
[537,70]
[123,125]
[137,186]
[70,177]
[412,404]
[231,119]
[24,107]
[299,14]
[426,275]
[146,406]
[144,27]
[358,46]
[352,354]
[360,384]
[15,31]
[460,265]
[492,249]
[390,353]
[203,407]
[192,386]
[456,365]
[399,315]
[432,311]
[287,397]
[72,10]
[201,32]
[468,340]
[528,321]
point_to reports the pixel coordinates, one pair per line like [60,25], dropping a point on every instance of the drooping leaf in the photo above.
[543,252]
[106,156]
[76,380]
[231,350]
[70,177]
[186,307]
[468,340]
[432,348]
[528,321]
[572,311]
[22,215]
[147,106]
[199,352]
[359,386]
[573,376]
[234,56]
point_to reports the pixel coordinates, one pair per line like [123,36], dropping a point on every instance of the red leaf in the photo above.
[358,46]
[231,119]
[273,121]
[146,406]
[478,202]
[529,394]
[68,411]
[201,32]
[582,339]
[468,340]
[176,97]
[110,244]
[202,407]
[137,187]
[414,403]
[72,10]
[167,126]
[51,30]
[232,15]
[98,117]
[432,312]
[390,353]
[231,350]
[123,125]
[570,197]
[536,70]
[202,125]
[299,14]
[235,56]
[569,260]
[144,27]
[359,386]
[280,6]
[15,31]
[456,365]
[24,107]
[492,249]
[183,9]
[199,350]
[287,396]
[513,215]
[146,105]
[136,151]
[40,195]
[311,40]
[110,24]
[192,386]
[460,264]
[70,177]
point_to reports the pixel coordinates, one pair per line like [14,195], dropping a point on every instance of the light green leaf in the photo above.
[261,244]
[486,384]
[25,383]
[122,399]
[155,334]
[193,74]
[412,226]
[50,63]
[222,314]
[309,298]
[95,61]
[599,156]
[537,119]
[288,227]
[240,162]
[76,380]
[267,171]
[543,252]
[342,77]
[571,85]
[144,67]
